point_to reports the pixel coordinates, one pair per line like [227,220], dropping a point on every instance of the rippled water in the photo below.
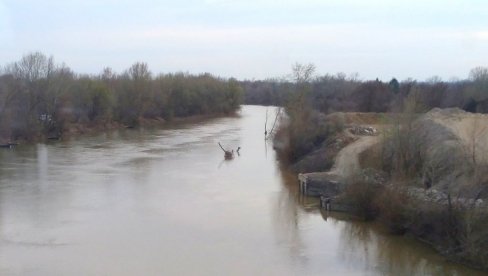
[164,202]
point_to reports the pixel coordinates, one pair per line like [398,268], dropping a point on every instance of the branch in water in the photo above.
[277,117]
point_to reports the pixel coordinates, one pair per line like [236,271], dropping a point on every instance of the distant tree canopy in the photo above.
[40,98]
[394,86]
[478,89]
[331,93]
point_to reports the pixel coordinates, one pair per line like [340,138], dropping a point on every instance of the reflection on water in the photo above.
[164,201]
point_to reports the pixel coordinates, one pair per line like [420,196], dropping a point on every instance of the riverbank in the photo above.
[168,194]
[431,200]
[71,130]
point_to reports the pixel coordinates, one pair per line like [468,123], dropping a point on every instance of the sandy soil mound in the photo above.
[470,129]
[449,140]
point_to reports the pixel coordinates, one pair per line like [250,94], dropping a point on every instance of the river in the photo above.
[165,202]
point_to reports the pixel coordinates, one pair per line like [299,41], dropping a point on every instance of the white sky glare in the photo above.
[253,39]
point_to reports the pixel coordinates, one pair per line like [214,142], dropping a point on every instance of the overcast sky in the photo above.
[253,38]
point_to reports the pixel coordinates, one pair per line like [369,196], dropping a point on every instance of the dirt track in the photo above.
[470,129]
[347,160]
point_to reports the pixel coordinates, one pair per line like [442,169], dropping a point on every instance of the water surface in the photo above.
[164,202]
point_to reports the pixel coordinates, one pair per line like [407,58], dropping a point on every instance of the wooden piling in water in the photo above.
[302,182]
[325,203]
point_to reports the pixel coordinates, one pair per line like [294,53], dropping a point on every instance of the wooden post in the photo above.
[325,203]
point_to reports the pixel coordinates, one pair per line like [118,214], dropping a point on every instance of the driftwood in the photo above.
[227,154]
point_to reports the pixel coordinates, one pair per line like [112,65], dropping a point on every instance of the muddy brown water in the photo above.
[165,202]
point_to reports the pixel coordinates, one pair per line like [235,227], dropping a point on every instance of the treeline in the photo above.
[39,98]
[333,93]
[307,98]
[268,92]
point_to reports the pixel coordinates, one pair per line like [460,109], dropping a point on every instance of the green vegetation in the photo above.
[39,98]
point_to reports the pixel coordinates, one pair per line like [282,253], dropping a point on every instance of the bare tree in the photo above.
[302,72]
[301,75]
[139,71]
[33,73]
[137,88]
[479,78]
[479,74]
[31,67]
